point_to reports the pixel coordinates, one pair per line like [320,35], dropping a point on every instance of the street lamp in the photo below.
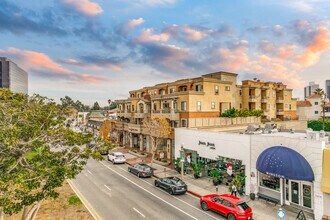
[182,160]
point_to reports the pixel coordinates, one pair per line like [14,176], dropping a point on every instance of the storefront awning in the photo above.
[325,184]
[283,162]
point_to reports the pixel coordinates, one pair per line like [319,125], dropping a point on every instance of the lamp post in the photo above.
[182,160]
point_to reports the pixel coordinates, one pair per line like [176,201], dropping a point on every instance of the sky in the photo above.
[95,50]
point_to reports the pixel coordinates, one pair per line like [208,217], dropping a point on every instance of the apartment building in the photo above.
[274,98]
[205,97]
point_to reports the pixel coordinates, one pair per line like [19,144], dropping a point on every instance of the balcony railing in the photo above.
[280,112]
[279,100]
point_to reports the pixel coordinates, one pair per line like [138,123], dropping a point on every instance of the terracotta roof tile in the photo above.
[314,96]
[303,104]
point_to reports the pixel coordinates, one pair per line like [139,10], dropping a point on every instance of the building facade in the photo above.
[12,76]
[327,88]
[310,89]
[312,108]
[284,166]
[204,97]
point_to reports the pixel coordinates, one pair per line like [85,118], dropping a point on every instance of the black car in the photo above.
[173,185]
[141,170]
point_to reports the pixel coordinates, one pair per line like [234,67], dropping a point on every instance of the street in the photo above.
[112,193]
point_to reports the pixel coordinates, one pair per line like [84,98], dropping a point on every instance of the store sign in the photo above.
[275,175]
[207,144]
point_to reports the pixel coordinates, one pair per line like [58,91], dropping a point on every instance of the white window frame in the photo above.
[199,106]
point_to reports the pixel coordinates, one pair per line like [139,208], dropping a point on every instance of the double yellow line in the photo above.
[88,206]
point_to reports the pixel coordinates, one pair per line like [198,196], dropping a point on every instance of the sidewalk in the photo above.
[262,210]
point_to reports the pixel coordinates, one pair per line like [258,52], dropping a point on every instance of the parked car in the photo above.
[116,157]
[227,205]
[141,170]
[173,185]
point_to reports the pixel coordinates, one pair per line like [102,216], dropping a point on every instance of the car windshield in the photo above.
[119,156]
[177,182]
[242,206]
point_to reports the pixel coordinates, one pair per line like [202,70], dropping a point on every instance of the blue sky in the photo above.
[95,50]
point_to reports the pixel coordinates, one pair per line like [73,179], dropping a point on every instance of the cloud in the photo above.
[85,7]
[135,22]
[95,62]
[151,2]
[185,33]
[41,65]
[148,36]
[19,21]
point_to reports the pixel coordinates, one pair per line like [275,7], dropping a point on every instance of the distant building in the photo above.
[12,76]
[310,89]
[327,88]
[312,108]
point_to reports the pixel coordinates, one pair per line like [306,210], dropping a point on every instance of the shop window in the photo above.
[212,105]
[269,182]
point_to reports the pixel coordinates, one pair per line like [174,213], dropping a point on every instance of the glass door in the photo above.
[306,195]
[295,192]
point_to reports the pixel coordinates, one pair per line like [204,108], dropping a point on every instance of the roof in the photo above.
[96,114]
[314,96]
[303,104]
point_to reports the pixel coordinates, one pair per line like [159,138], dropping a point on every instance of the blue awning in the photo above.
[283,162]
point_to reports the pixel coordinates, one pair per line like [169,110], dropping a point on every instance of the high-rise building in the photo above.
[12,76]
[327,88]
[310,89]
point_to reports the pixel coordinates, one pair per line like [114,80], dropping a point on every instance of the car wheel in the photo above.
[170,191]
[129,170]
[205,207]
[138,175]
[156,184]
[231,217]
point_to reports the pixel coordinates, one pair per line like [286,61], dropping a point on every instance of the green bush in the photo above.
[233,113]
[74,200]
[316,125]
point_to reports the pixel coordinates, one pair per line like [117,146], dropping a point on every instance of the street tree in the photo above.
[96,106]
[159,129]
[37,152]
[112,104]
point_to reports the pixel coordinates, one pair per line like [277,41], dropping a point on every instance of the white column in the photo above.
[130,140]
[141,142]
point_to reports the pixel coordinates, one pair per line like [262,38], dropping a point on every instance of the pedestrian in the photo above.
[234,190]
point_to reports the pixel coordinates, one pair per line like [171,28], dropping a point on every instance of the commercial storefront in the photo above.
[284,166]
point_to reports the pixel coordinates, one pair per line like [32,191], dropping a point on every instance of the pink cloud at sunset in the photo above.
[319,43]
[83,6]
[135,22]
[94,79]
[34,60]
[148,36]
[81,64]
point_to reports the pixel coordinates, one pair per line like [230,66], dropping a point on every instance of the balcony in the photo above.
[134,128]
[172,114]
[279,100]
[265,99]
[125,114]
[252,98]
[279,112]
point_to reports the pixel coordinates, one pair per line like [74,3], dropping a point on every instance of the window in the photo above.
[227,88]
[133,108]
[316,103]
[183,106]
[139,95]
[212,105]
[199,88]
[199,106]
[183,123]
[162,92]
[155,92]
[316,112]
[216,90]
[175,105]
[240,92]
[240,105]
[228,204]
[269,182]
[155,106]
[172,90]
[290,106]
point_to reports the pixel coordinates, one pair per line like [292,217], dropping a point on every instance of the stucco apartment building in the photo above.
[204,97]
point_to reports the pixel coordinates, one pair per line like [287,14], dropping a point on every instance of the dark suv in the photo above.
[141,170]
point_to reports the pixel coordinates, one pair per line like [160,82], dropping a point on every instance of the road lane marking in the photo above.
[107,187]
[88,206]
[89,172]
[168,203]
[178,198]
[138,212]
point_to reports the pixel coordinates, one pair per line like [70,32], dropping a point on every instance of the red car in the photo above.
[227,205]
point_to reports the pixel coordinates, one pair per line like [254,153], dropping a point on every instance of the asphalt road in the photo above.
[110,192]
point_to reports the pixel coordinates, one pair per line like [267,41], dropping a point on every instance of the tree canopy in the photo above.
[37,151]
[96,106]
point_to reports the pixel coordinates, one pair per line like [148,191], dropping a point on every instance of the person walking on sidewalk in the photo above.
[234,190]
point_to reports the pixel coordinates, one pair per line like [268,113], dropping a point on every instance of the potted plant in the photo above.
[252,194]
[197,169]
[177,164]
[215,174]
[239,182]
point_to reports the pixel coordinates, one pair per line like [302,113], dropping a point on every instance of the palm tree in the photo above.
[319,91]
